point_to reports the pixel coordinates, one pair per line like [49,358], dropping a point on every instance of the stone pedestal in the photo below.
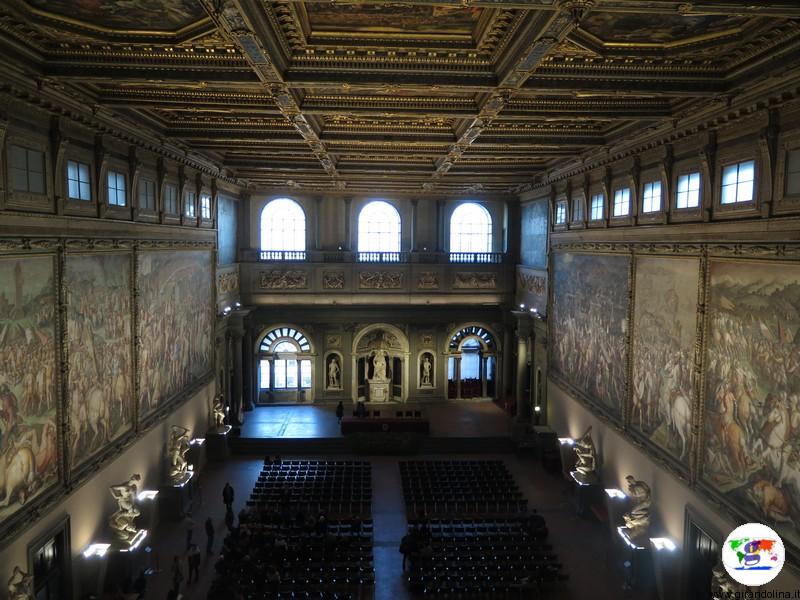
[379,390]
[176,500]
[586,492]
[217,444]
[124,564]
[637,563]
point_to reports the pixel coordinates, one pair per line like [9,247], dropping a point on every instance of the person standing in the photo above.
[193,561]
[229,518]
[177,575]
[227,496]
[209,536]
[340,411]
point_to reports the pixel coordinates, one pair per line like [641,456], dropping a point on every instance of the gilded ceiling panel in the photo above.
[138,15]
[640,28]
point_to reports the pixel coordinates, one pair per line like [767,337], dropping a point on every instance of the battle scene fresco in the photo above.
[28,396]
[99,338]
[176,323]
[664,332]
[643,28]
[590,325]
[752,395]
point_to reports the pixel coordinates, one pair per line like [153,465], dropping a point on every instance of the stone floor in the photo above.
[448,419]
[582,545]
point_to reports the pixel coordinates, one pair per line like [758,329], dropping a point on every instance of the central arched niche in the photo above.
[380,364]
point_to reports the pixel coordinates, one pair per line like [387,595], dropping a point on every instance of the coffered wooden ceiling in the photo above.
[439,96]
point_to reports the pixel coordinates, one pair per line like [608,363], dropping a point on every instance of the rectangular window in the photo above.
[205,206]
[171,199]
[577,208]
[263,372]
[78,181]
[147,194]
[280,374]
[738,182]
[305,374]
[597,207]
[561,212]
[793,172]
[651,197]
[117,191]
[189,209]
[687,194]
[622,202]
[27,170]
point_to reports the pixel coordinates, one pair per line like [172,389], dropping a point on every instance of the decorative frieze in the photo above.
[227,282]
[475,281]
[535,284]
[332,280]
[282,280]
[380,280]
[428,280]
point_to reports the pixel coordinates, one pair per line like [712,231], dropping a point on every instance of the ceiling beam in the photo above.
[234,19]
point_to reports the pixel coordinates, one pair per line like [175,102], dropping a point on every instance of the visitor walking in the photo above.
[193,561]
[209,536]
[340,411]
[177,575]
[227,495]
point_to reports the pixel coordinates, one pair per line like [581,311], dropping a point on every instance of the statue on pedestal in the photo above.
[20,585]
[333,373]
[122,520]
[177,449]
[379,365]
[426,370]
[587,456]
[637,520]
[721,584]
[218,413]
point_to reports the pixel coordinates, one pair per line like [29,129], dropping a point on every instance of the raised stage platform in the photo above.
[455,427]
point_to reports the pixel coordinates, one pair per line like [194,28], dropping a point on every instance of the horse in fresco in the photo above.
[25,463]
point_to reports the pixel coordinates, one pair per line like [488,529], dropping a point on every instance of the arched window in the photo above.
[472,363]
[379,230]
[470,232]
[284,362]
[283,230]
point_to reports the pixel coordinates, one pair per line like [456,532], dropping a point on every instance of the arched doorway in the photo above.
[472,363]
[380,364]
[285,366]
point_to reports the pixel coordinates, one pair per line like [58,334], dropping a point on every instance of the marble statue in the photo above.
[20,585]
[122,521]
[379,365]
[177,449]
[218,413]
[721,584]
[637,520]
[587,455]
[426,370]
[333,373]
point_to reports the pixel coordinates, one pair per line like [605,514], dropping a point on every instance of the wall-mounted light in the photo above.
[566,441]
[237,304]
[147,495]
[615,493]
[537,408]
[522,306]
[136,542]
[98,550]
[663,544]
[623,533]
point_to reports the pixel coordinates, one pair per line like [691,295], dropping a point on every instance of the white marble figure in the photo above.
[122,521]
[722,586]
[20,585]
[586,454]
[637,520]
[426,370]
[379,366]
[178,447]
[333,373]
[218,413]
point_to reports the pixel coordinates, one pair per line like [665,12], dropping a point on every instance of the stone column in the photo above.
[523,414]
[458,377]
[504,388]
[348,242]
[248,372]
[483,373]
[414,236]
[238,375]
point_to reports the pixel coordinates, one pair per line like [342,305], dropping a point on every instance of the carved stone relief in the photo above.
[535,284]
[380,280]
[475,281]
[332,280]
[282,280]
[227,282]
[428,280]
[333,341]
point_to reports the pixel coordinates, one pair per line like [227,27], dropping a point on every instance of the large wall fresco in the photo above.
[28,396]
[590,325]
[176,323]
[99,343]
[664,333]
[752,395]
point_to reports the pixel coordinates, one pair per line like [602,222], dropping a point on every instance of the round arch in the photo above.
[470,228]
[282,226]
[380,364]
[284,361]
[472,354]
[379,227]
